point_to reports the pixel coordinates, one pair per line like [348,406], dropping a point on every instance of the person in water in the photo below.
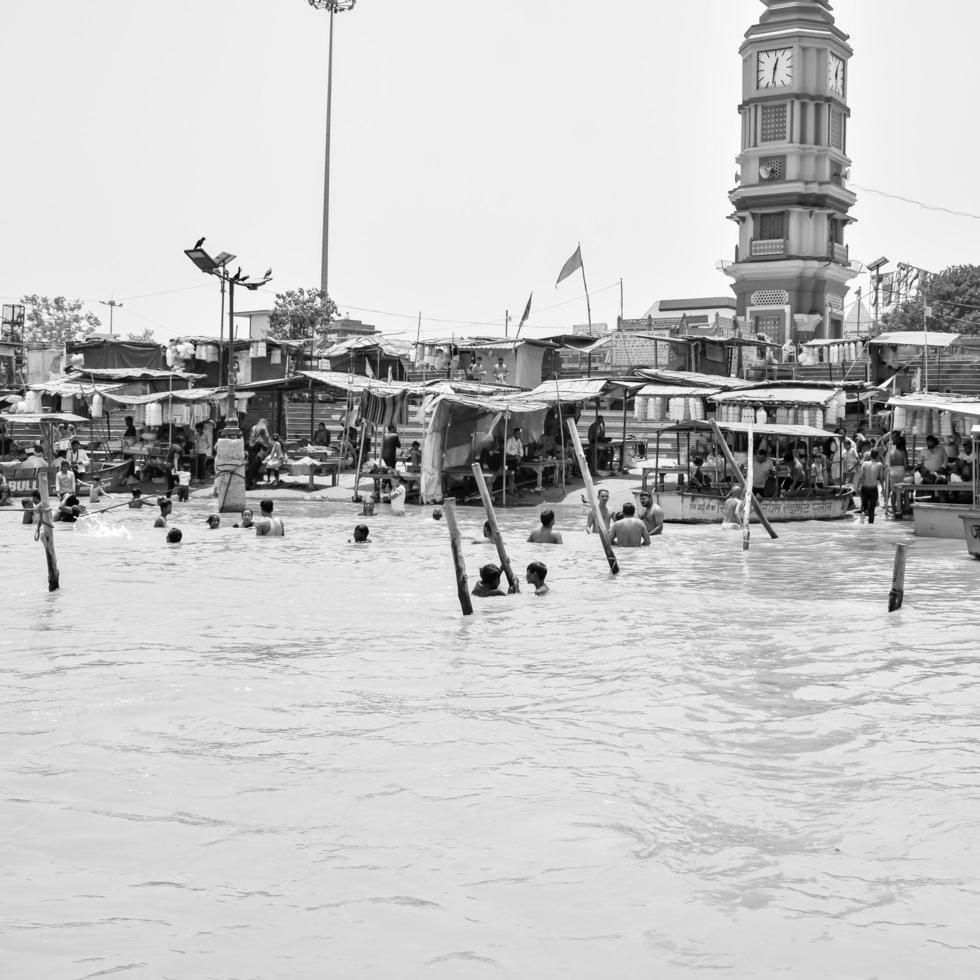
[536,573]
[487,534]
[213,521]
[730,511]
[651,514]
[603,513]
[137,500]
[174,535]
[629,531]
[546,534]
[489,583]
[361,534]
[69,509]
[247,521]
[268,526]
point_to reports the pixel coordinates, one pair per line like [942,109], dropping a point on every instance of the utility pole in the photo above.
[112,304]
[926,313]
[506,322]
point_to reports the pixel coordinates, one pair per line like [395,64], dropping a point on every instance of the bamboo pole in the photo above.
[498,540]
[727,453]
[897,594]
[600,524]
[45,533]
[462,584]
[747,518]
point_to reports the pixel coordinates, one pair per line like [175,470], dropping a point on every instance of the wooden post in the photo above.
[494,529]
[897,593]
[462,584]
[727,453]
[600,524]
[46,533]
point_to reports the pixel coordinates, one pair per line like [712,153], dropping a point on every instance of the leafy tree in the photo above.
[300,314]
[54,322]
[954,297]
[144,336]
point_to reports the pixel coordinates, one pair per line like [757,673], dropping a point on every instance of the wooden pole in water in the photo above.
[897,593]
[600,524]
[494,529]
[756,506]
[45,532]
[462,584]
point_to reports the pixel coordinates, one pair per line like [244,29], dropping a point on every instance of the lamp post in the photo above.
[334,7]
[230,449]
[112,304]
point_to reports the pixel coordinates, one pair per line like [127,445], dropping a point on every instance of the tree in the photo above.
[299,314]
[55,322]
[954,298]
[145,336]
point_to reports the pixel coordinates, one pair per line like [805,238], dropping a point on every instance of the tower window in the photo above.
[837,231]
[770,226]
[774,123]
[837,129]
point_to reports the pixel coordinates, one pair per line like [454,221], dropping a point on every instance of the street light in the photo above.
[112,304]
[335,7]
[218,267]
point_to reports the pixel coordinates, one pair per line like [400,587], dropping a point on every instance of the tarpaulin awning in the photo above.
[916,338]
[67,388]
[581,389]
[183,395]
[675,391]
[56,417]
[339,381]
[692,379]
[381,409]
[788,396]
[936,403]
[372,342]
[129,374]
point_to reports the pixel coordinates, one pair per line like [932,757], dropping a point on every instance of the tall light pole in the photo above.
[230,450]
[112,304]
[334,7]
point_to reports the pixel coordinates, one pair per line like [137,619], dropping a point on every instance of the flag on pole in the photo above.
[575,262]
[525,314]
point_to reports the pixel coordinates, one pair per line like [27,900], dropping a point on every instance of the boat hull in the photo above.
[971,532]
[697,508]
[23,482]
[939,520]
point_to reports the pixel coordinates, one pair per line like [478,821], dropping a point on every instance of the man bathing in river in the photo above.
[603,513]
[730,511]
[546,534]
[629,531]
[651,514]
[268,526]
[537,571]
[489,583]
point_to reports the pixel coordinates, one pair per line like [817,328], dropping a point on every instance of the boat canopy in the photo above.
[936,403]
[56,417]
[916,338]
[759,428]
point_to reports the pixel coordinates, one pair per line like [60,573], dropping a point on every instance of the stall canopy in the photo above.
[185,395]
[936,403]
[115,354]
[461,426]
[778,395]
[759,428]
[334,381]
[570,390]
[692,379]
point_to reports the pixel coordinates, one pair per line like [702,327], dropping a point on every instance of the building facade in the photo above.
[791,200]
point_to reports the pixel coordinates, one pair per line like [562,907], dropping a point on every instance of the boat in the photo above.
[971,531]
[682,505]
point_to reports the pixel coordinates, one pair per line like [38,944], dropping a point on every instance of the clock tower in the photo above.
[791,201]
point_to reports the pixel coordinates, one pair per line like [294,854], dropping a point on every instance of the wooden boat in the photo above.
[682,505]
[971,532]
[935,520]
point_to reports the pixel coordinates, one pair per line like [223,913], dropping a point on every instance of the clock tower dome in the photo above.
[791,202]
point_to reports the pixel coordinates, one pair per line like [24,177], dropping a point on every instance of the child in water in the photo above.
[361,534]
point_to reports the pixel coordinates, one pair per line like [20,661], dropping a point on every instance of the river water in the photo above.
[293,758]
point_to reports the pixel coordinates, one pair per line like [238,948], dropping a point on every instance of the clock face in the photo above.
[835,74]
[775,68]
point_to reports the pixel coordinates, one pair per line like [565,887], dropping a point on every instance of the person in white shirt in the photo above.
[513,454]
[64,481]
[36,460]
[78,459]
[500,371]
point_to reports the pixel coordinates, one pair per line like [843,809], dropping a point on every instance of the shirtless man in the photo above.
[546,534]
[651,514]
[537,571]
[268,526]
[603,511]
[730,512]
[489,584]
[629,531]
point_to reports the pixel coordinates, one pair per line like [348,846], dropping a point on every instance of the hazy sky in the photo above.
[474,144]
